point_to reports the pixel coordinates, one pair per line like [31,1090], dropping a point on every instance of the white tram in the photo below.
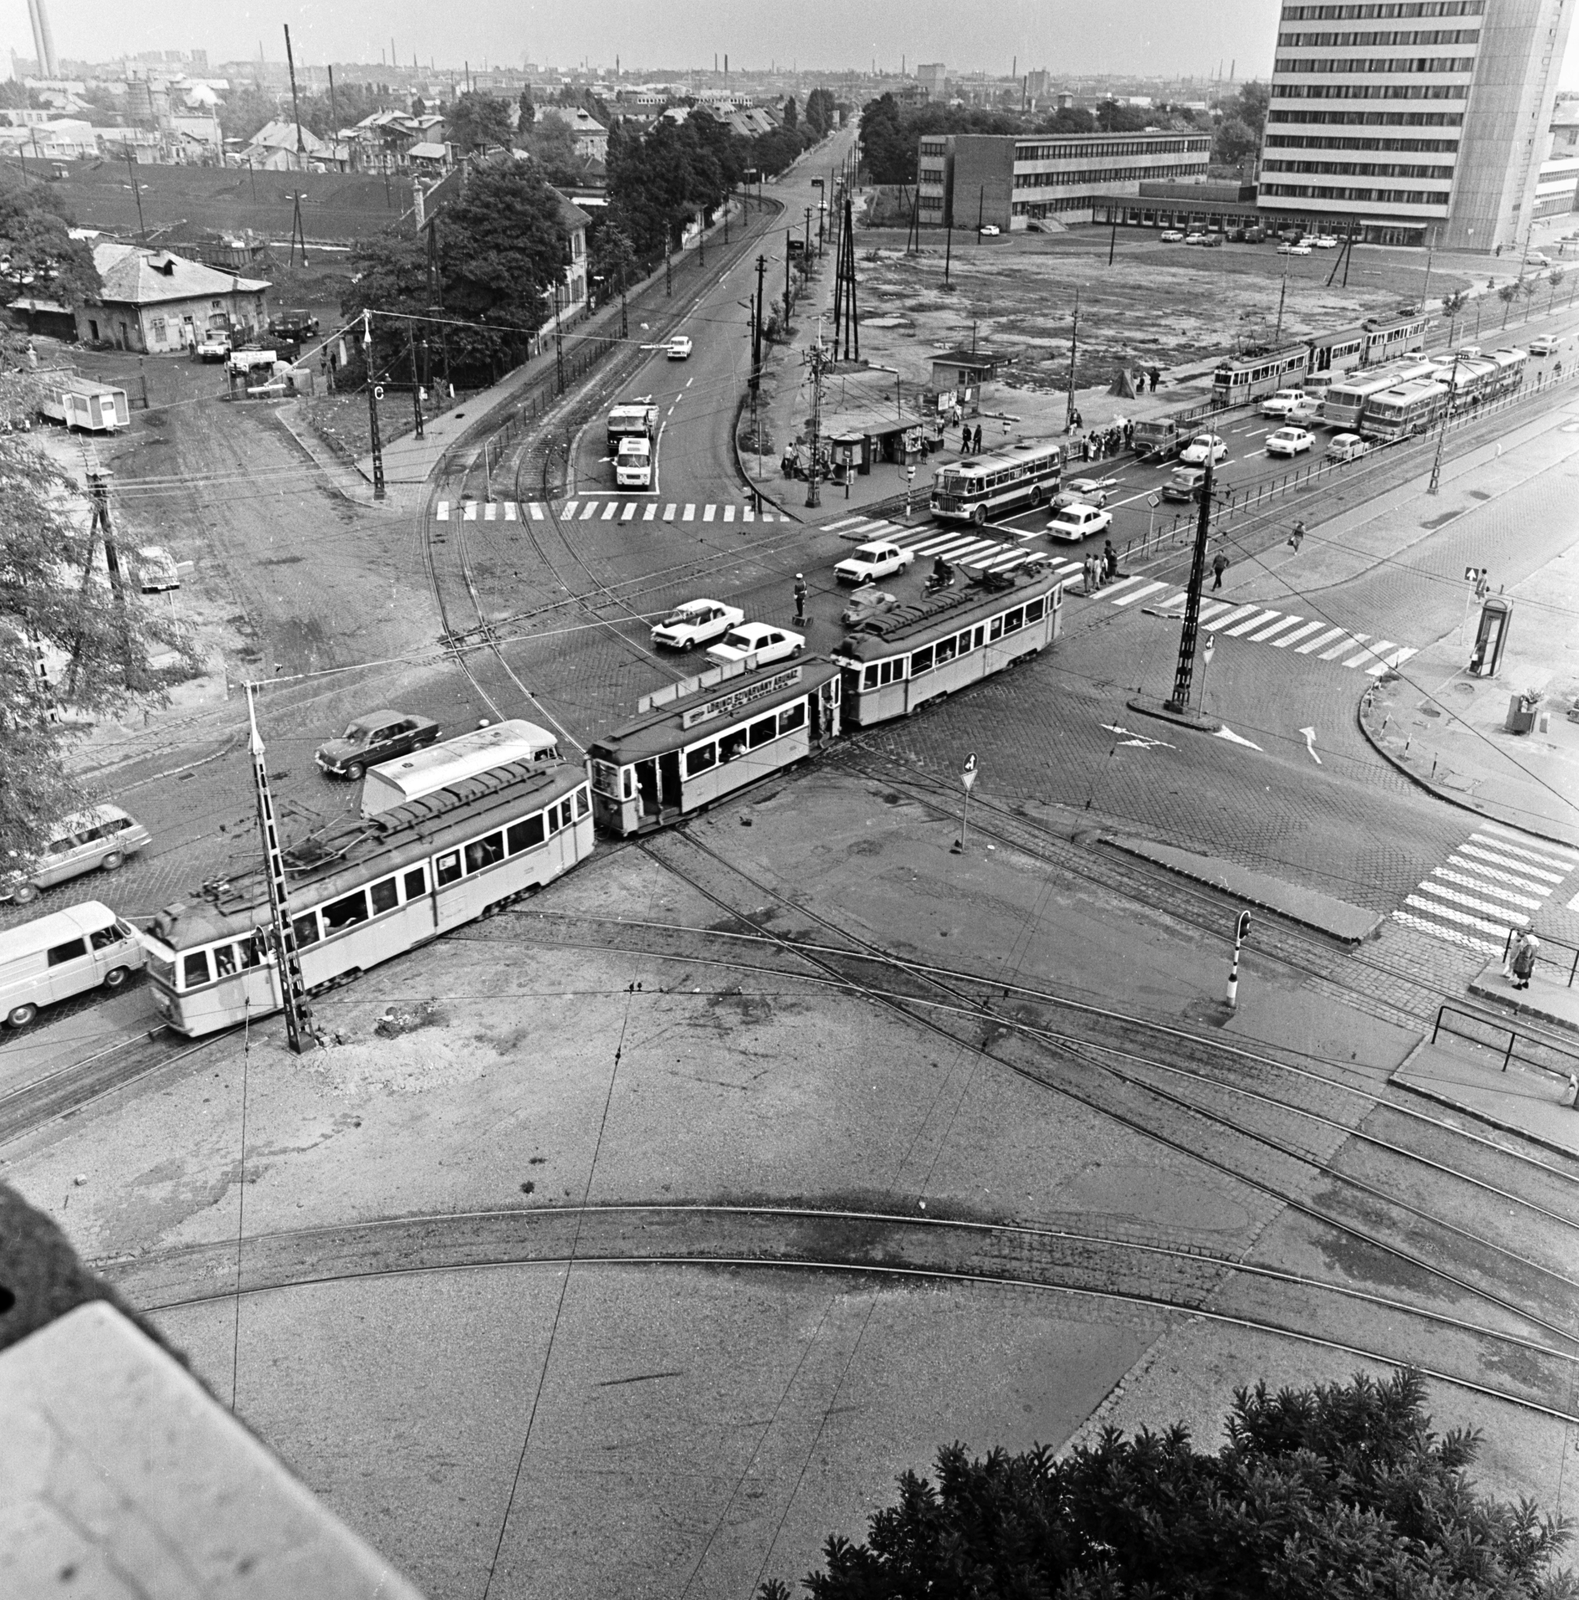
[709,736]
[911,655]
[369,889]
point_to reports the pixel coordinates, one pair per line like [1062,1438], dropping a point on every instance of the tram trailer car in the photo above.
[912,655]
[368,890]
[709,736]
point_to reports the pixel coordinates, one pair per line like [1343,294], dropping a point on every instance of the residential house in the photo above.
[576,223]
[285,147]
[161,303]
[588,136]
[429,159]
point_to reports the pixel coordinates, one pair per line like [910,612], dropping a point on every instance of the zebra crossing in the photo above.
[596,509]
[1282,630]
[961,549]
[1489,886]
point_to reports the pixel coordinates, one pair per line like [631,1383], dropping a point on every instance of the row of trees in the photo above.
[1318,1494]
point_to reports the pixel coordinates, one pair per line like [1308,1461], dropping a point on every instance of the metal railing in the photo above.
[1549,1058]
[1540,955]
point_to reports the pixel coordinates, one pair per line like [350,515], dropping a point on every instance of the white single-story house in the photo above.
[164,304]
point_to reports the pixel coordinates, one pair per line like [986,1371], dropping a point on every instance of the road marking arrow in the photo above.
[1235,738]
[1310,744]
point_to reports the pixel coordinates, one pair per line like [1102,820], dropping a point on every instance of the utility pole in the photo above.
[813,488]
[668,274]
[1277,337]
[296,110]
[1185,672]
[787,233]
[808,233]
[436,293]
[298,232]
[137,193]
[416,378]
[1074,350]
[334,117]
[99,498]
[376,443]
[1441,438]
[293,987]
[948,248]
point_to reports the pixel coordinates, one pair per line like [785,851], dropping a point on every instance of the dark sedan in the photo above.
[380,736]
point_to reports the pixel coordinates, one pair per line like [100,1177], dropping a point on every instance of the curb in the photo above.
[1478,810]
[740,466]
[1450,1104]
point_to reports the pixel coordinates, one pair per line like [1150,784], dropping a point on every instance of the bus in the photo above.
[978,487]
[367,889]
[911,655]
[1406,409]
[1242,378]
[1344,403]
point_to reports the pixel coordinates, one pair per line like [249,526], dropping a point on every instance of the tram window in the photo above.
[943,651]
[732,745]
[700,759]
[482,853]
[1034,609]
[977,635]
[416,883]
[194,969]
[306,929]
[384,896]
[584,801]
[995,628]
[869,677]
[792,717]
[447,869]
[224,960]
[252,949]
[344,912]
[762,730]
[921,662]
[831,690]
[1014,620]
[524,834]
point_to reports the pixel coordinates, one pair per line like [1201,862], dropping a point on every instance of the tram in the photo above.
[708,736]
[996,481]
[1404,410]
[1241,378]
[911,655]
[369,889]
[1393,338]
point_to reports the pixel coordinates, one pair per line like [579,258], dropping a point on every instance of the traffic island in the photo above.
[1160,709]
[1544,1001]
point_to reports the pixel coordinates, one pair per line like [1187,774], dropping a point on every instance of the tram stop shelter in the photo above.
[959,376]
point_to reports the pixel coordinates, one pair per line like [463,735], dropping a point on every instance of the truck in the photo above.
[633,462]
[292,326]
[638,417]
[1159,439]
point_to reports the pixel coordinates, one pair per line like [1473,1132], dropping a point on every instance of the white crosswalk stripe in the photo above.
[1139,594]
[1249,625]
[1491,884]
[618,509]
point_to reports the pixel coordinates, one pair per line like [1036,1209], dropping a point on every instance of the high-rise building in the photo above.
[1413,121]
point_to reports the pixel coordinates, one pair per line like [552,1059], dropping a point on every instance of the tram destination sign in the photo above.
[726,705]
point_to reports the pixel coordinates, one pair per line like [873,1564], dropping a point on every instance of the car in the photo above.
[1194,454]
[1288,442]
[378,736]
[1325,241]
[1083,492]
[99,839]
[1172,236]
[695,623]
[213,346]
[678,348]
[989,230]
[1185,484]
[1537,258]
[1213,241]
[1195,238]
[1079,522]
[1347,447]
[876,559]
[1467,352]
[1281,403]
[1235,236]
[1299,249]
[763,640]
[868,601]
[1546,345]
[1308,410]
[156,569]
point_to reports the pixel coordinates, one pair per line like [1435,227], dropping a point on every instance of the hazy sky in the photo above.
[1067,36]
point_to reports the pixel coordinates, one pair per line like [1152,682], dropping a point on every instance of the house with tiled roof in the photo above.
[163,304]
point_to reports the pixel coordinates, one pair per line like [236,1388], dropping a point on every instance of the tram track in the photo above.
[1076,1260]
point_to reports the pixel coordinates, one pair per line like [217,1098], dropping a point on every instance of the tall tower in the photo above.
[43,39]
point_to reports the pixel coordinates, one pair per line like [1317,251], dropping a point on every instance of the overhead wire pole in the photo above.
[1441,438]
[1184,673]
[1074,351]
[416,377]
[137,193]
[375,443]
[296,110]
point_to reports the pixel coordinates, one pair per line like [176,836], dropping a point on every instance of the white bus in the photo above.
[1344,402]
[1406,409]
[66,953]
[978,487]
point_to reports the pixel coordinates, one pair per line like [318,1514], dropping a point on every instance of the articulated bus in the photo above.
[1343,405]
[1404,410]
[1242,378]
[983,486]
[368,889]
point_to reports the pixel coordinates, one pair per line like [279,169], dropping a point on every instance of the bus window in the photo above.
[194,970]
[921,662]
[700,759]
[762,730]
[482,853]
[447,869]
[416,882]
[224,960]
[306,929]
[524,834]
[792,717]
[69,951]
[383,896]
[344,912]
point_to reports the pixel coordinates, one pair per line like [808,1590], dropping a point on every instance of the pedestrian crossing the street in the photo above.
[598,509]
[1282,630]
[1489,887]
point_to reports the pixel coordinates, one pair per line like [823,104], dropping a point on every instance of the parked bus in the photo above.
[1344,402]
[910,655]
[1407,409]
[66,953]
[1242,378]
[367,889]
[979,487]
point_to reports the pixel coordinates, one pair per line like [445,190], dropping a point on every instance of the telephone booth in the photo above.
[1491,637]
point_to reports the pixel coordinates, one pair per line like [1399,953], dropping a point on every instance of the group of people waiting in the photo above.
[1100,570]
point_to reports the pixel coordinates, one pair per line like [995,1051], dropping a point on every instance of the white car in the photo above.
[213,347]
[989,230]
[1537,258]
[1281,403]
[678,348]
[1469,351]
[1300,249]
[1172,236]
[1195,238]
[1325,241]
[1347,447]
[1079,522]
[760,639]
[877,559]
[1288,442]
[1546,345]
[1194,454]
[1083,492]
[695,623]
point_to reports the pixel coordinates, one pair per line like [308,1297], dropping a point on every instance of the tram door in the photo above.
[669,780]
[647,787]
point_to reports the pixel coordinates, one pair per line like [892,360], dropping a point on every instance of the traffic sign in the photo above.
[1243,927]
[1209,646]
[378,391]
[1154,500]
[968,776]
[1474,574]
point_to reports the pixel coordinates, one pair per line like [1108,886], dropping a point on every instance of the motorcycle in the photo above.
[942,578]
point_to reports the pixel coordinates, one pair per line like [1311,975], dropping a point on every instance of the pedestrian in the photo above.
[1296,537]
[1156,374]
[1219,567]
[975,444]
[800,597]
[1076,421]
[1129,434]
[1110,560]
[1088,569]
[32,356]
[1524,960]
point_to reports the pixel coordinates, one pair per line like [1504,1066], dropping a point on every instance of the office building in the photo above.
[1413,121]
[967,180]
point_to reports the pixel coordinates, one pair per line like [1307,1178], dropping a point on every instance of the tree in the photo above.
[821,112]
[1339,1491]
[1113,116]
[1555,279]
[34,236]
[1507,294]
[791,117]
[246,109]
[1234,141]
[479,121]
[527,109]
[1067,119]
[1452,308]
[552,146]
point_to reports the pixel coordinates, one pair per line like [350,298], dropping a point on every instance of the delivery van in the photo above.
[101,838]
[66,953]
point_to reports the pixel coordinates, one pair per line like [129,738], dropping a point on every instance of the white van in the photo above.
[102,837]
[65,953]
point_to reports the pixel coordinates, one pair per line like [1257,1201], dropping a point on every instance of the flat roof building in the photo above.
[1413,121]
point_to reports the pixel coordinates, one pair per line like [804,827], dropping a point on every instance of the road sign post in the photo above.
[1206,661]
[968,778]
[910,479]
[1241,928]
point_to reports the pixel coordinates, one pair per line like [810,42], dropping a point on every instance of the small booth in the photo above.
[959,376]
[1491,637]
